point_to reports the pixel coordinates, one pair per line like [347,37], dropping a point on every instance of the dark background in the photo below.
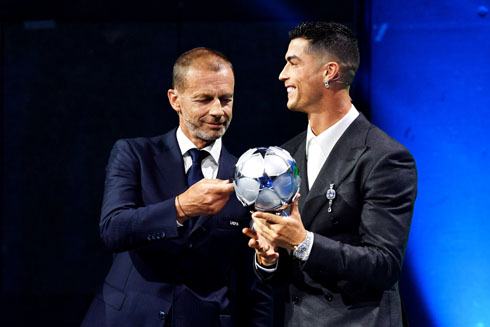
[78,75]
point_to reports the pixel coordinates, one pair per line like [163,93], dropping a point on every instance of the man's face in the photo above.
[303,77]
[205,103]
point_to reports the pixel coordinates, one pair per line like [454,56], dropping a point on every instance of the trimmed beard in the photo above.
[199,133]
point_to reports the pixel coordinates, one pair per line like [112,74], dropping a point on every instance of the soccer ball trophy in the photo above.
[266,179]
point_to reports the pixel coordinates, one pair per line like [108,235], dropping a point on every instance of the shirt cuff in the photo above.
[179,224]
[268,270]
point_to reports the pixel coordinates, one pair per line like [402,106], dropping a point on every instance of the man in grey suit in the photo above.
[339,253]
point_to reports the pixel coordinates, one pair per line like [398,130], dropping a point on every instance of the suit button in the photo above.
[190,245]
[162,235]
[296,300]
[329,297]
[163,315]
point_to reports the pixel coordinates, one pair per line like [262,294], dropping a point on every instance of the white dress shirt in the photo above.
[210,164]
[318,147]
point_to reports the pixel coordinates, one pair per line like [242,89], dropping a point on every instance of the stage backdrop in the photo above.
[77,76]
[429,88]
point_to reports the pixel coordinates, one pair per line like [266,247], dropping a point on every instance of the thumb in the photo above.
[294,208]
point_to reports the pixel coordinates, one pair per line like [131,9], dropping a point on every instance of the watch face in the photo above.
[300,251]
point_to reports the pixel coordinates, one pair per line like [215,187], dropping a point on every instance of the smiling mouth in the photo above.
[214,124]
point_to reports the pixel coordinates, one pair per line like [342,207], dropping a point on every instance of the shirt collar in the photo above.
[185,145]
[333,133]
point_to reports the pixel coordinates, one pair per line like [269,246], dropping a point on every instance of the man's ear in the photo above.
[173,98]
[331,71]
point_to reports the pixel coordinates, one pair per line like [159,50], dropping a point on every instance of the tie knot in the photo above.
[197,155]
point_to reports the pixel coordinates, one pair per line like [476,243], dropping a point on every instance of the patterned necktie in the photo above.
[194,174]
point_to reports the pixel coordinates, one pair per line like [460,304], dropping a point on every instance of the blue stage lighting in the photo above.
[430,77]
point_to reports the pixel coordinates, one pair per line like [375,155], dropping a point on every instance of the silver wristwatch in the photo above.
[302,250]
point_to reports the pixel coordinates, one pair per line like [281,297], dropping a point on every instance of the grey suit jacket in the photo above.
[351,277]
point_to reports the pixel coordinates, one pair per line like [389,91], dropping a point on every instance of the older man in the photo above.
[180,258]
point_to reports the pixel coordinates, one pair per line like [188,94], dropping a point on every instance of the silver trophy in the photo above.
[266,179]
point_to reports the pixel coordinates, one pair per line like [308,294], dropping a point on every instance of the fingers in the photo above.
[252,243]
[267,254]
[268,260]
[259,247]
[267,257]
[272,218]
[272,257]
[214,188]
[250,233]
[294,207]
[218,186]
[228,188]
[265,251]
[208,196]
[263,229]
[254,240]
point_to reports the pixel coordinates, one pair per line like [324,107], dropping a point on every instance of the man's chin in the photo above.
[212,135]
[294,107]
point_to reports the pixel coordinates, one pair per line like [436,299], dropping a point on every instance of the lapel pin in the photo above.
[330,196]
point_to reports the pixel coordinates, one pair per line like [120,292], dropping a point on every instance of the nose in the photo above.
[216,108]
[283,74]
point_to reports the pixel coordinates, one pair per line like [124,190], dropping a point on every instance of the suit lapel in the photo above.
[226,164]
[171,165]
[339,164]
[300,158]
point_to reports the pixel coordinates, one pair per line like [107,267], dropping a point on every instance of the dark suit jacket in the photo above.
[163,275]
[351,277]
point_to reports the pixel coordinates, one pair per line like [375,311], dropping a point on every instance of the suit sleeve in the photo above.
[388,194]
[253,296]
[126,223]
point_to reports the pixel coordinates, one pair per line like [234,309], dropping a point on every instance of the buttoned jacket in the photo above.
[352,273]
[164,275]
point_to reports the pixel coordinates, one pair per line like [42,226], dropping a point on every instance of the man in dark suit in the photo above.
[180,257]
[340,251]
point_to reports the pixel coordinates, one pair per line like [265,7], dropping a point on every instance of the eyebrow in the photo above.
[202,95]
[210,95]
[289,58]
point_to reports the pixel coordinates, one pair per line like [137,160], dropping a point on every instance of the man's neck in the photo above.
[332,110]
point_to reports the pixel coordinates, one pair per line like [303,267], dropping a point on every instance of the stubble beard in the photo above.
[199,132]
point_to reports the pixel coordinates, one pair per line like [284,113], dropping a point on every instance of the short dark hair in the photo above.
[334,39]
[204,57]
